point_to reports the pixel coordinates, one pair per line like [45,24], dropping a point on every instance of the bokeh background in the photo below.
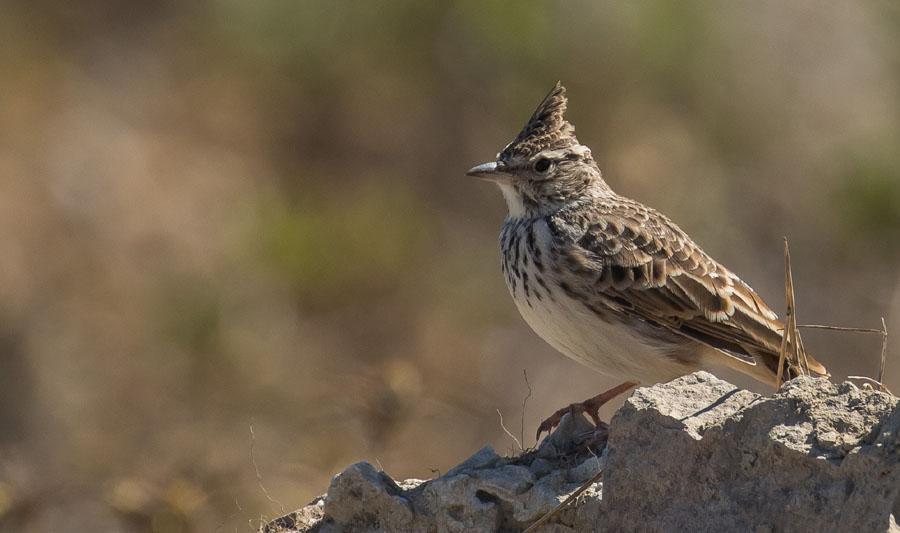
[222,215]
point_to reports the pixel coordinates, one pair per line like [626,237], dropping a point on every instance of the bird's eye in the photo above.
[541,165]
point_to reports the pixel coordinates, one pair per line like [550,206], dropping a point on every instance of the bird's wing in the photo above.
[644,265]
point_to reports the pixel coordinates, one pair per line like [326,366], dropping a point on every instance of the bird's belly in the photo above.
[608,345]
[613,345]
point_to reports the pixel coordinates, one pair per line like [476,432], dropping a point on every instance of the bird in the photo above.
[612,283]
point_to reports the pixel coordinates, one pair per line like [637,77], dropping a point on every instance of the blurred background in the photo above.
[238,251]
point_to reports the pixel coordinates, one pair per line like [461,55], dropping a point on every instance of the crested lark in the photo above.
[612,283]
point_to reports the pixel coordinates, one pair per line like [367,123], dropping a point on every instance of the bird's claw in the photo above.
[590,407]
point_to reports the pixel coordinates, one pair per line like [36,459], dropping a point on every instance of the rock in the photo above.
[540,467]
[362,498]
[698,453]
[693,454]
[483,458]
[309,518]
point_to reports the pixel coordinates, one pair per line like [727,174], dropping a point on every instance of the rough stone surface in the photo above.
[695,454]
[815,457]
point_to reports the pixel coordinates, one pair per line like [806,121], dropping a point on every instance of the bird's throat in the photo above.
[514,200]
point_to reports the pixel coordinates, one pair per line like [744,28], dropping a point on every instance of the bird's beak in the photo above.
[492,171]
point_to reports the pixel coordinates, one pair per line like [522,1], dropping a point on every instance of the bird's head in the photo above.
[544,167]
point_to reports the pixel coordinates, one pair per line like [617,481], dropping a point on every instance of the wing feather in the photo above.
[639,259]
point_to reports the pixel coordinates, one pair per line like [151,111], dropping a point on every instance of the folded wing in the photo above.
[642,264]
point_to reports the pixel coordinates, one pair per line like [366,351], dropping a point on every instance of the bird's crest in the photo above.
[547,129]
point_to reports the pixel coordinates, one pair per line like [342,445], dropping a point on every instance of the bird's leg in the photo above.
[590,407]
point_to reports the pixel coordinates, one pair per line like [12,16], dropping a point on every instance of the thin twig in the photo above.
[884,335]
[259,479]
[791,339]
[564,503]
[513,437]
[791,353]
[801,350]
[239,510]
[839,328]
[789,304]
[795,352]
[781,357]
[524,402]
[872,381]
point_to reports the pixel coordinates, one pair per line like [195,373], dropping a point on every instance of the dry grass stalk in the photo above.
[509,434]
[884,336]
[259,478]
[880,381]
[801,350]
[840,328]
[792,351]
[872,381]
[524,403]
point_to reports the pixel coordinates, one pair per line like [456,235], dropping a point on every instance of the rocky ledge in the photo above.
[694,454]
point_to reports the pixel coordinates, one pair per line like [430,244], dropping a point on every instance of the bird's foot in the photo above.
[590,407]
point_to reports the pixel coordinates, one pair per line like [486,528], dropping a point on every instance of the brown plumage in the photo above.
[547,129]
[647,267]
[613,283]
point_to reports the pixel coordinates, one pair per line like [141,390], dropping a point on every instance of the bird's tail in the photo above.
[807,365]
[766,368]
